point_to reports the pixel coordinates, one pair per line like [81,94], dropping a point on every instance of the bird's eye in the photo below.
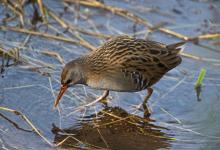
[68,81]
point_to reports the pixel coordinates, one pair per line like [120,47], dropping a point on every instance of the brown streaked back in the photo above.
[129,64]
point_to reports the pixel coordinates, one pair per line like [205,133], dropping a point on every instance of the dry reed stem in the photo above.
[189,130]
[130,122]
[210,60]
[15,9]
[45,35]
[18,113]
[86,18]
[171,115]
[14,123]
[102,138]
[81,142]
[68,137]
[120,12]
[53,54]
[127,14]
[42,10]
[208,47]
[209,36]
[170,90]
[13,53]
[190,56]
[35,64]
[66,25]
[27,121]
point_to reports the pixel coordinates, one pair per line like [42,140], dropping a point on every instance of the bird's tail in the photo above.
[173,59]
[176,47]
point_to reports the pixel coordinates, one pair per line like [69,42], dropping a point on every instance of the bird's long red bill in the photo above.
[62,91]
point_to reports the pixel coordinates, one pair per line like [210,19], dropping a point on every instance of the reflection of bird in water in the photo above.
[114,128]
[122,64]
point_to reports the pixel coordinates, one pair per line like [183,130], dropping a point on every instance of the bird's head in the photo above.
[71,75]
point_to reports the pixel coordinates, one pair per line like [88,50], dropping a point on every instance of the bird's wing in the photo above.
[140,63]
[135,71]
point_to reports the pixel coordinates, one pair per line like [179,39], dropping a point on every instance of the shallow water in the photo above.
[178,120]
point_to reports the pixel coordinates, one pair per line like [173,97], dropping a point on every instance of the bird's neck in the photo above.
[84,69]
[88,72]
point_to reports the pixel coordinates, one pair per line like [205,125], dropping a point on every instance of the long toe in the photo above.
[147,114]
[104,101]
[147,111]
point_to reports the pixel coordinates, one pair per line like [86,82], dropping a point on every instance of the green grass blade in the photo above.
[200,77]
[198,84]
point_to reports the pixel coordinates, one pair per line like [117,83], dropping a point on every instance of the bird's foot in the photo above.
[145,108]
[103,98]
[104,101]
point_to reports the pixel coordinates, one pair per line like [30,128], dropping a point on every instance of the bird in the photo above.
[122,64]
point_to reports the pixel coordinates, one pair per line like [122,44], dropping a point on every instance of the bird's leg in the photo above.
[103,97]
[99,99]
[147,111]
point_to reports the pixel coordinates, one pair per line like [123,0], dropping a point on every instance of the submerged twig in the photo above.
[28,122]
[14,123]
